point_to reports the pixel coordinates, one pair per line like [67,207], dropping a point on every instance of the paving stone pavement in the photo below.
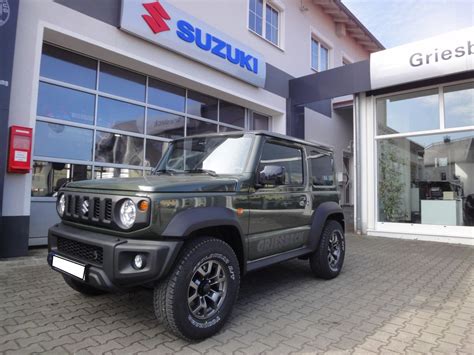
[393,296]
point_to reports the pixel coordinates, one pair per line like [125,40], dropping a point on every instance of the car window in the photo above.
[291,159]
[321,165]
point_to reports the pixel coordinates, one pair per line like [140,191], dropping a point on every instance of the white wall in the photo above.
[294,56]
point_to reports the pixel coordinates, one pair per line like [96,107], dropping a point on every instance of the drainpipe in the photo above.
[357,167]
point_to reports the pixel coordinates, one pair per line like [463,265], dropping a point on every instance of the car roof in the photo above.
[262,133]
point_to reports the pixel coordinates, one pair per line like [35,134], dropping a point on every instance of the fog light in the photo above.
[139,262]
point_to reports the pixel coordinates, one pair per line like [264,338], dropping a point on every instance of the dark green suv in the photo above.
[215,208]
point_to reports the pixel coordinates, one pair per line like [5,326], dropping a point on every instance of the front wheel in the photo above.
[197,297]
[326,262]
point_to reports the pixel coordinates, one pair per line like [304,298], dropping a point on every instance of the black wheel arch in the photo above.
[218,222]
[325,211]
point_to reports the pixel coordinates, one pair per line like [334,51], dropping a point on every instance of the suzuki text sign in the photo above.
[446,54]
[163,24]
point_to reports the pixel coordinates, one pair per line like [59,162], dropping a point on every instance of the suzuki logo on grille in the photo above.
[85,207]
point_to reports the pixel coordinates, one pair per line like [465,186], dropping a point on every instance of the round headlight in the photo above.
[128,213]
[61,205]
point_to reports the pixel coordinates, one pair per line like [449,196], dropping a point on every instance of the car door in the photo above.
[279,214]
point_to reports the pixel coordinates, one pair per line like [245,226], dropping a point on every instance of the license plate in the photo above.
[70,267]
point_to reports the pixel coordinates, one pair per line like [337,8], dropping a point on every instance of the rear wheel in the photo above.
[197,297]
[82,287]
[326,262]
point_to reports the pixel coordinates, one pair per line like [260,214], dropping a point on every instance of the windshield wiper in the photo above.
[205,171]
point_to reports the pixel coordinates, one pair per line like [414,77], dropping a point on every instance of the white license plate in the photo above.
[70,267]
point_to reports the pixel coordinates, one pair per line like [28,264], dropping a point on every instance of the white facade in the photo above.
[48,21]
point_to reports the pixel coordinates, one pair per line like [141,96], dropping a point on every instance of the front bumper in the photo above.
[108,258]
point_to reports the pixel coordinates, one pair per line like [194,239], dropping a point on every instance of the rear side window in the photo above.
[321,165]
[288,157]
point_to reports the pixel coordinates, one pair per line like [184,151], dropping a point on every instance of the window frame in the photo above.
[321,44]
[279,10]
[296,146]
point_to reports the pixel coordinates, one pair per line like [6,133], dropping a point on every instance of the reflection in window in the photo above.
[228,129]
[164,124]
[69,67]
[121,82]
[319,56]
[231,114]
[65,104]
[101,172]
[412,112]
[459,105]
[120,115]
[48,177]
[291,159]
[321,168]
[166,95]
[256,16]
[59,141]
[271,22]
[260,122]
[427,179]
[195,127]
[202,105]
[118,149]
[154,152]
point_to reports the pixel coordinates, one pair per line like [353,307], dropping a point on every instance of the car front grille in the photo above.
[81,250]
[89,209]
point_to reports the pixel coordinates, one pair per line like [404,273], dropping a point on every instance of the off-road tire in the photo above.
[171,294]
[319,260]
[82,287]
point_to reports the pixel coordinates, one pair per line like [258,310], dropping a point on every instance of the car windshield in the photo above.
[216,155]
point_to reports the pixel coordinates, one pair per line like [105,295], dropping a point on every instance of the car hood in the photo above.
[162,183]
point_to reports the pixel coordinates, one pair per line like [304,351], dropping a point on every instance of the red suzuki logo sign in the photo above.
[161,23]
[157,17]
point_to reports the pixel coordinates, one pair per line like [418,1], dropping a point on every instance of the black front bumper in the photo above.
[108,258]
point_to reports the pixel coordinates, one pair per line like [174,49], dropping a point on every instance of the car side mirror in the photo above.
[272,175]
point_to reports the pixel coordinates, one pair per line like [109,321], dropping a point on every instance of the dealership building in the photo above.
[103,86]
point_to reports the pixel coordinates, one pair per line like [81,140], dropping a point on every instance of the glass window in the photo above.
[65,104]
[101,172]
[427,179]
[121,82]
[202,105]
[72,68]
[231,114]
[120,115]
[49,177]
[221,155]
[60,141]
[227,129]
[319,56]
[271,25]
[164,124]
[154,152]
[260,122]
[195,127]
[324,55]
[291,159]
[166,95]
[256,16]
[416,111]
[118,149]
[459,105]
[322,172]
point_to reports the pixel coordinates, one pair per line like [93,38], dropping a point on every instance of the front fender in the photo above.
[186,222]
[320,216]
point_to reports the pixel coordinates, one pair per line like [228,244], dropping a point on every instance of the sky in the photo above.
[396,22]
